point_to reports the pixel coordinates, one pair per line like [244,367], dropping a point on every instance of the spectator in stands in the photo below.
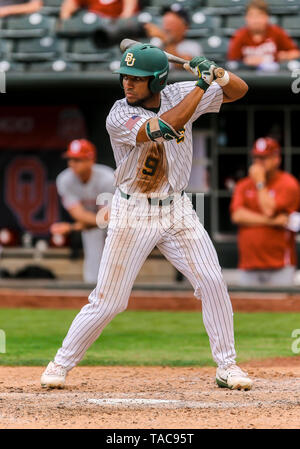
[79,186]
[121,9]
[259,42]
[262,206]
[171,37]
[11,7]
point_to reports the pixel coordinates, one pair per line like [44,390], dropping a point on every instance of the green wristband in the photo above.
[202,84]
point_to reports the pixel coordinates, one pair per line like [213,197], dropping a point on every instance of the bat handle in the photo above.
[218,72]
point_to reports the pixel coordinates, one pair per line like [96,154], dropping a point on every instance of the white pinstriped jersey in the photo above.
[173,159]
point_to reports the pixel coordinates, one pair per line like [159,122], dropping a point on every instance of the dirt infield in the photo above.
[148,300]
[152,398]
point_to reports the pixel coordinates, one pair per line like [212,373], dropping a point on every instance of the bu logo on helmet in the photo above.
[130,59]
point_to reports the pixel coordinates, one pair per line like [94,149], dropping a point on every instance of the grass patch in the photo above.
[143,337]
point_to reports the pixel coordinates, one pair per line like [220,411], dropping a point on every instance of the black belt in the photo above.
[154,201]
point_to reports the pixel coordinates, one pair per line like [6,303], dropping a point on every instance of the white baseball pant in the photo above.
[135,228]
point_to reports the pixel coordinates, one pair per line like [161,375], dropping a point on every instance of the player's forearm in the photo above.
[247,217]
[129,8]
[179,115]
[86,217]
[266,202]
[76,226]
[23,8]
[183,111]
[80,226]
[235,89]
[67,9]
[288,55]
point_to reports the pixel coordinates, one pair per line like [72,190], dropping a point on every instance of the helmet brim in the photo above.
[132,71]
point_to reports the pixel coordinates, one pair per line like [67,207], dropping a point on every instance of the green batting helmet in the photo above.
[146,60]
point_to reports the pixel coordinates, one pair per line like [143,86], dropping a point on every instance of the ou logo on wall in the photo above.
[29,196]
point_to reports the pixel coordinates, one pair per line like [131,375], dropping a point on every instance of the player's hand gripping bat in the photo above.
[127,43]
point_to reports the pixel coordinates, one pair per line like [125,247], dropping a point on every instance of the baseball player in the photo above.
[151,136]
[79,186]
[261,206]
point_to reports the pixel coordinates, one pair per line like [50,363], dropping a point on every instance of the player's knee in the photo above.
[119,308]
[208,284]
[108,309]
[107,304]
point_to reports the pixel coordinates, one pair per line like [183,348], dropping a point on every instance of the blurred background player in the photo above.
[10,7]
[260,42]
[79,186]
[261,205]
[121,9]
[171,37]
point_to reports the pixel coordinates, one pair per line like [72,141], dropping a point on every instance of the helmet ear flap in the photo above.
[151,84]
[156,84]
[121,81]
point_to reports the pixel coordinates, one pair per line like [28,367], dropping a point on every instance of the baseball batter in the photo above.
[151,136]
[79,186]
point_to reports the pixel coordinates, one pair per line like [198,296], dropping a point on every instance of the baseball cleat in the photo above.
[54,376]
[234,378]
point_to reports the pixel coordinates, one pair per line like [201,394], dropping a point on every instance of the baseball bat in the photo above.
[127,43]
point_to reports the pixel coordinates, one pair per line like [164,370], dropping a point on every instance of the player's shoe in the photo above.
[234,378]
[54,376]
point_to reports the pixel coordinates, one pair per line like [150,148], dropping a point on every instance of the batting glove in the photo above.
[204,68]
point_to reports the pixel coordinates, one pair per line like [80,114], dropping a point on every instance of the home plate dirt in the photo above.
[152,398]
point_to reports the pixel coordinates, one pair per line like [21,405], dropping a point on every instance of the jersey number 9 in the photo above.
[151,164]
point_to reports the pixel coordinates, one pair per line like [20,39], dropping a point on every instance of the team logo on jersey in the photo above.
[130,60]
[181,138]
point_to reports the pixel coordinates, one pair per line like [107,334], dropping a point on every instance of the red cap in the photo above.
[81,149]
[265,146]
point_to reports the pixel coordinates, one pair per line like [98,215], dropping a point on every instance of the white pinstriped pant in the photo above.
[135,228]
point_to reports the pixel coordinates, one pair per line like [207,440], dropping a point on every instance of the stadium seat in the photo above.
[106,31]
[232,24]
[57,66]
[186,4]
[215,47]
[290,65]
[51,7]
[81,24]
[149,15]
[8,66]
[284,6]
[102,66]
[27,26]
[115,30]
[5,48]
[235,22]
[292,25]
[85,50]
[228,6]
[284,3]
[45,49]
[202,23]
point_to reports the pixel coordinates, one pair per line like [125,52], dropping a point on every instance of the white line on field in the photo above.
[187,404]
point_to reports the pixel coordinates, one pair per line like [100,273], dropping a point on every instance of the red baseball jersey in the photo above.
[276,39]
[108,8]
[267,247]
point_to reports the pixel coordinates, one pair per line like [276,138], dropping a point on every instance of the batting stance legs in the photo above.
[183,240]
